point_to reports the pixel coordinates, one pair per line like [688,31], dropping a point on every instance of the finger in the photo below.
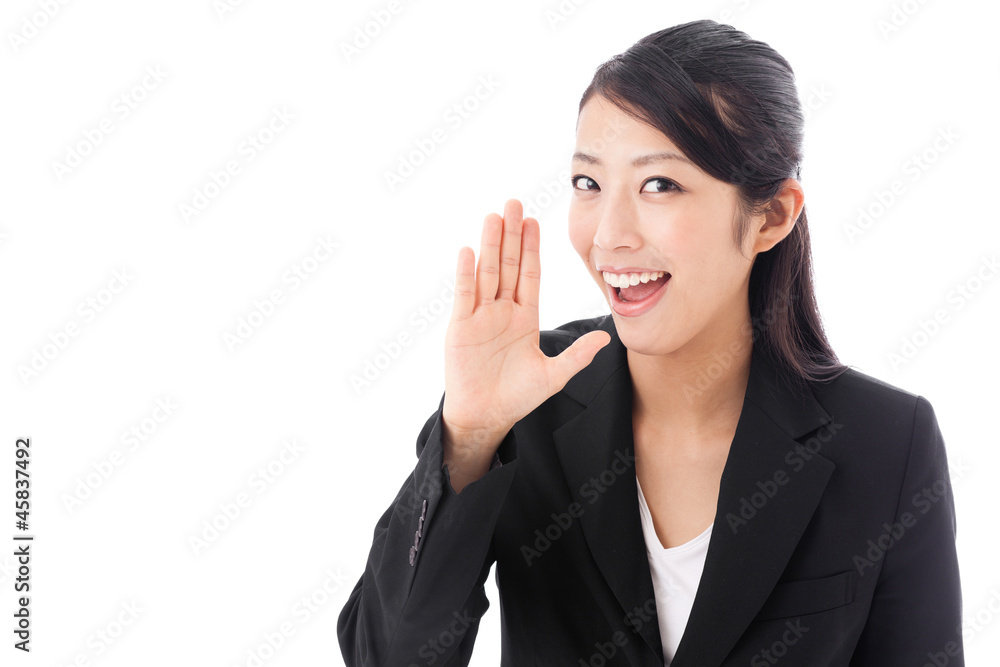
[488,271]
[510,249]
[575,358]
[465,285]
[529,275]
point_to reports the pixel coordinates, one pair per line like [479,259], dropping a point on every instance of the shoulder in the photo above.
[860,393]
[886,430]
[554,341]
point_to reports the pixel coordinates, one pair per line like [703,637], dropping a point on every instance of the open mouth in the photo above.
[642,291]
[636,287]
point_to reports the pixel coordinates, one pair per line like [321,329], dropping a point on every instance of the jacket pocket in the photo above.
[808,596]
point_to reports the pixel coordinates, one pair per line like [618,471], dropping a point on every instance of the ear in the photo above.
[779,218]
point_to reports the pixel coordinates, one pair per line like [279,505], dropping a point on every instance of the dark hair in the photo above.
[730,104]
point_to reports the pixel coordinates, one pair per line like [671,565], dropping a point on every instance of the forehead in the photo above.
[603,129]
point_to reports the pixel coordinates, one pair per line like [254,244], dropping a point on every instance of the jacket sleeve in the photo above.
[422,593]
[916,614]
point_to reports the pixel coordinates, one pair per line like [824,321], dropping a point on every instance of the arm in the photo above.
[916,613]
[427,612]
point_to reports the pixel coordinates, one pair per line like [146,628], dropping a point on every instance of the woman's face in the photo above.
[634,212]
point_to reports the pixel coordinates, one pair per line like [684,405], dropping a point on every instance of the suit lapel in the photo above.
[746,553]
[596,450]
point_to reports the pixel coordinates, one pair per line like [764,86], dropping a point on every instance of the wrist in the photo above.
[471,446]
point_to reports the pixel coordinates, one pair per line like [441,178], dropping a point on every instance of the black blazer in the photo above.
[833,543]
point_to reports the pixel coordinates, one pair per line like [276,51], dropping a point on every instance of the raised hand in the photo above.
[495,372]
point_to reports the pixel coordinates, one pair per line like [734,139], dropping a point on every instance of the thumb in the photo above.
[576,357]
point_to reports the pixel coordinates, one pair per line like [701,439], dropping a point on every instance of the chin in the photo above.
[644,336]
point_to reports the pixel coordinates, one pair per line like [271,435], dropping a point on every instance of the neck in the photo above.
[694,390]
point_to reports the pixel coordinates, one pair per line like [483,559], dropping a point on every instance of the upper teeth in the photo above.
[626,279]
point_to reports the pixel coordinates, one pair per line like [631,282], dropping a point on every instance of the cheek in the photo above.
[720,270]
[581,232]
[702,238]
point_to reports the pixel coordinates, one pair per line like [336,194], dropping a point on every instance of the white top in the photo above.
[676,572]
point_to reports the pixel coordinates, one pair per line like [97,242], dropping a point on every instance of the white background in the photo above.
[878,99]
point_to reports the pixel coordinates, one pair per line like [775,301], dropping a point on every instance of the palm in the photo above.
[495,372]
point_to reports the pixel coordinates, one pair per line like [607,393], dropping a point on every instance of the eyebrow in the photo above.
[640,161]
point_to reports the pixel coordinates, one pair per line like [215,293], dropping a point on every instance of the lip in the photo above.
[635,308]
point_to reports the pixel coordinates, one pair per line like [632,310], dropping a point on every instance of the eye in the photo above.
[587,180]
[663,185]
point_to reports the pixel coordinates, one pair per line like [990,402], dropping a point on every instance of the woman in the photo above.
[694,479]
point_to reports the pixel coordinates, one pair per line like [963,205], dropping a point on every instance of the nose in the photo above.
[617,225]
